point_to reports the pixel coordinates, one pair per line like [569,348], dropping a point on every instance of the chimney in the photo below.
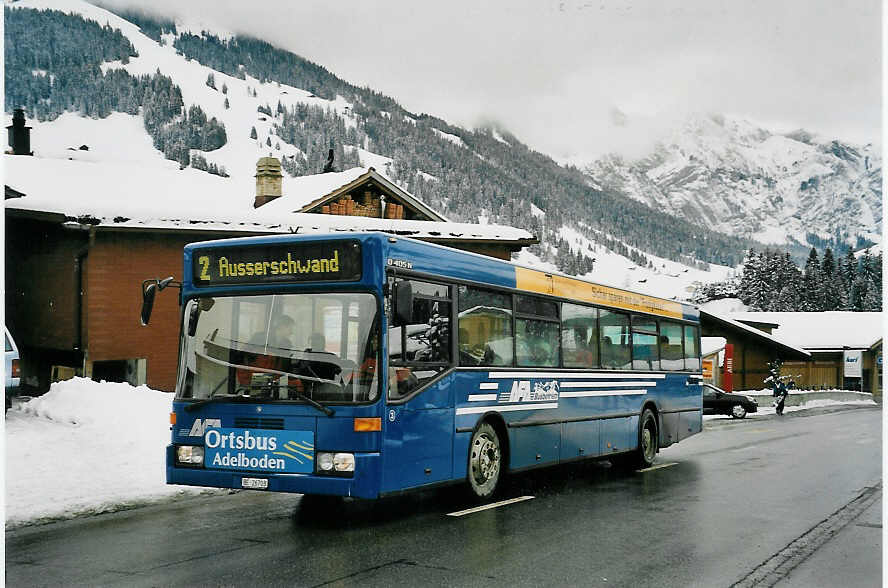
[268,180]
[19,134]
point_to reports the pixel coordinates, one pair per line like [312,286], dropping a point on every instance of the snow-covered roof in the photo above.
[710,345]
[821,331]
[779,343]
[306,192]
[132,195]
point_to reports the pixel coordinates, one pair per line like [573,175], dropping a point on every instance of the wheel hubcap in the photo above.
[485,459]
[647,443]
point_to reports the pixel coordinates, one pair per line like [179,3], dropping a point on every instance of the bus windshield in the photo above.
[280,347]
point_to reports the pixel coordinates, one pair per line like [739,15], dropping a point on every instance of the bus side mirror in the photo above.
[403,296]
[149,291]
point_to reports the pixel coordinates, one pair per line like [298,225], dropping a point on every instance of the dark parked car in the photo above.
[717,401]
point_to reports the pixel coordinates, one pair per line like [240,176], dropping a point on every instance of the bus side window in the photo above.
[614,333]
[691,350]
[419,351]
[645,353]
[485,327]
[671,353]
[536,332]
[579,336]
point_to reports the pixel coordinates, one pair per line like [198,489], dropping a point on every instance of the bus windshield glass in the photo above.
[280,347]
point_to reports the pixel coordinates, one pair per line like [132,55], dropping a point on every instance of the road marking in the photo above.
[781,564]
[489,506]
[657,467]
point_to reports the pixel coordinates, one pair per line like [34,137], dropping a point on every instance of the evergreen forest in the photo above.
[771,281]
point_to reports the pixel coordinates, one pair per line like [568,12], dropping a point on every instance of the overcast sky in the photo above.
[554,72]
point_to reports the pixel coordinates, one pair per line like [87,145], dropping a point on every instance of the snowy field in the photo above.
[86,448]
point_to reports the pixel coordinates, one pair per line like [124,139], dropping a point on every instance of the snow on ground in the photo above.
[87,447]
[448,137]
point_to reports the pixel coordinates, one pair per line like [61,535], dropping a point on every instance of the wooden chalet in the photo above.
[79,245]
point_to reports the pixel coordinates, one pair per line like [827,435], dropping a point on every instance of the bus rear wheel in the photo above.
[648,444]
[485,461]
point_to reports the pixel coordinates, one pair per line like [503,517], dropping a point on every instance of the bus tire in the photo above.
[648,439]
[648,444]
[485,461]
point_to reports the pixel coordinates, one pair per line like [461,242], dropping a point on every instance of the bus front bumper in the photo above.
[364,484]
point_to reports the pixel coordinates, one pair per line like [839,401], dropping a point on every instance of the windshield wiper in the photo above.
[312,402]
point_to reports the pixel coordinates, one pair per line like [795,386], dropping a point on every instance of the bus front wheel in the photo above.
[485,461]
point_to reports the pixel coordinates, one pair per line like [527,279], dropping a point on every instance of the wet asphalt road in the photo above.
[746,503]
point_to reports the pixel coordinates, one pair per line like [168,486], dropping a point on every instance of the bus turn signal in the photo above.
[368,424]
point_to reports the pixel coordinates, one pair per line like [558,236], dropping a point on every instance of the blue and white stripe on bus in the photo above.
[574,387]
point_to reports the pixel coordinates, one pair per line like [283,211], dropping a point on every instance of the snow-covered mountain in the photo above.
[741,179]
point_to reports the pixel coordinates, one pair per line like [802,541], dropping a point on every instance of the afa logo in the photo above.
[201,425]
[522,391]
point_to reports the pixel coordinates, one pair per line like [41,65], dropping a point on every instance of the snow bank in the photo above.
[86,447]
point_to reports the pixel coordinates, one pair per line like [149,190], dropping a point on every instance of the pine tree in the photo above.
[211,81]
[224,88]
[847,271]
[253,133]
[227,105]
[831,285]
[811,284]
[756,286]
[871,277]
[789,285]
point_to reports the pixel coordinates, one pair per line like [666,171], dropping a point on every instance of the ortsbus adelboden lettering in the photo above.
[215,439]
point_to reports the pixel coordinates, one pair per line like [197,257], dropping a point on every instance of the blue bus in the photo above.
[365,365]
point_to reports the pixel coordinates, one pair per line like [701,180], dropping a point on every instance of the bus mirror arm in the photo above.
[150,288]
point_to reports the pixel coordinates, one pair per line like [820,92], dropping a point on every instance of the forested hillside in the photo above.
[466,174]
[53,65]
[772,282]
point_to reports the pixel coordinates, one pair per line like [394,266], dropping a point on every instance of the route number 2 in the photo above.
[204,262]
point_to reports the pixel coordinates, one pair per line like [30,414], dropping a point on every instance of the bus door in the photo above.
[418,438]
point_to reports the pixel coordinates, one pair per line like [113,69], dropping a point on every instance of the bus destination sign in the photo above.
[319,261]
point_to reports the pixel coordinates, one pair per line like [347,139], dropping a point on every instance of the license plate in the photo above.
[254,483]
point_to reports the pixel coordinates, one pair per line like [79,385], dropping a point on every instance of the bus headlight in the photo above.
[344,462]
[335,463]
[325,462]
[190,455]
